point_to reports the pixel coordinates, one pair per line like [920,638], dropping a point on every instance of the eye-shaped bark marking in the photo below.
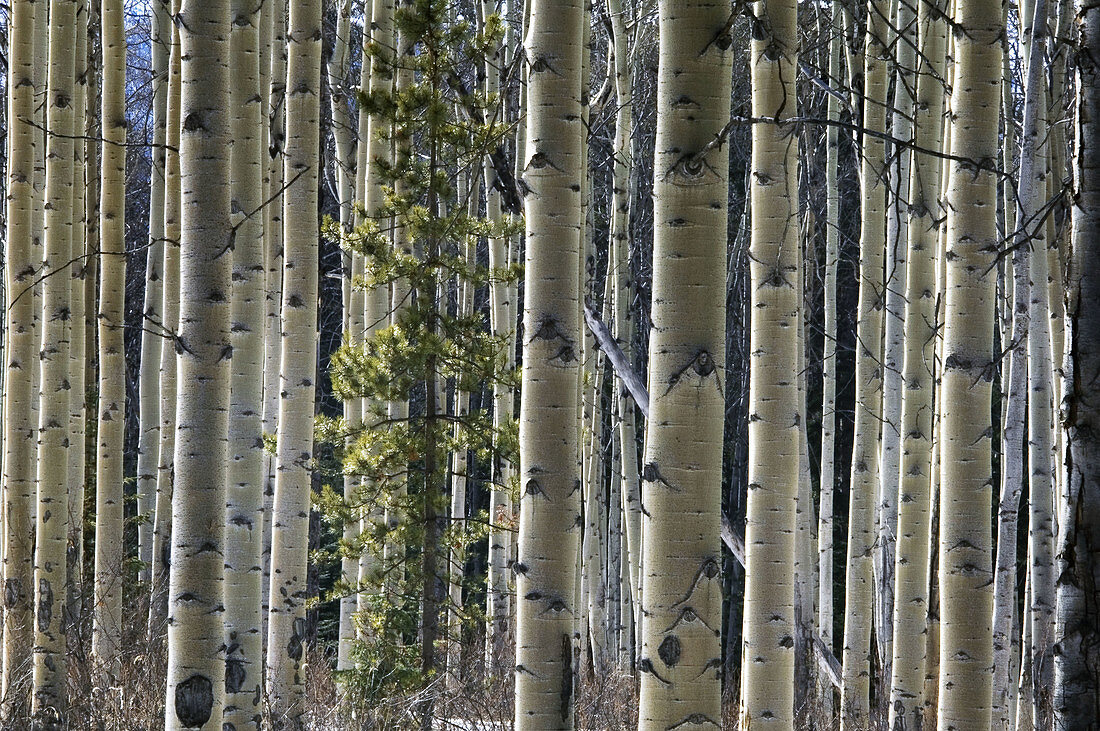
[701,364]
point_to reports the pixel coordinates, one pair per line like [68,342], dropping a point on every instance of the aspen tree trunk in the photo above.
[1058,225]
[336,71]
[393,551]
[866,476]
[680,661]
[354,327]
[767,662]
[82,306]
[346,173]
[151,340]
[244,500]
[966,585]
[48,708]
[630,485]
[374,152]
[1040,448]
[20,361]
[827,469]
[107,617]
[1017,414]
[1076,657]
[195,695]
[805,567]
[298,356]
[38,239]
[502,323]
[912,563]
[273,276]
[904,39]
[550,518]
[162,522]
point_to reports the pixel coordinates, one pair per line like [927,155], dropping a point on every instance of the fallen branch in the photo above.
[731,536]
[633,382]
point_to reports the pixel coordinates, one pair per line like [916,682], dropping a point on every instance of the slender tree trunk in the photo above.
[49,704]
[501,323]
[195,696]
[912,562]
[82,336]
[629,480]
[965,544]
[902,110]
[767,661]
[460,466]
[107,618]
[244,504]
[298,356]
[20,361]
[827,470]
[866,475]
[151,340]
[374,154]
[354,327]
[546,568]
[162,522]
[273,276]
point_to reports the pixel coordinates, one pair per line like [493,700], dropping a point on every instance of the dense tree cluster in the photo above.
[644,363]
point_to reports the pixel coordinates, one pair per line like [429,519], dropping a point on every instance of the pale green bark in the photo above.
[620,273]
[767,661]
[49,702]
[82,314]
[550,520]
[354,327]
[107,616]
[298,357]
[500,501]
[195,696]
[680,659]
[903,36]
[20,361]
[244,499]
